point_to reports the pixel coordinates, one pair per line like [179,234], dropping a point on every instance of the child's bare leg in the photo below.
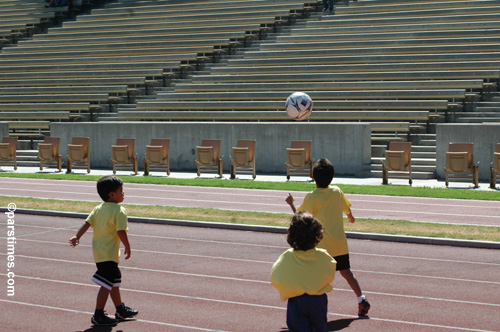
[102,298]
[115,296]
[352,281]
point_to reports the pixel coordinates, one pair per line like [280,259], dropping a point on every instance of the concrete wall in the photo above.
[347,145]
[484,136]
[4,129]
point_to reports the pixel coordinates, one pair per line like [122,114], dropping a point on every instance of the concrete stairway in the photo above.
[27,158]
[487,110]
[423,157]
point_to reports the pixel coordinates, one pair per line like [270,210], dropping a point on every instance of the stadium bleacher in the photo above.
[402,66]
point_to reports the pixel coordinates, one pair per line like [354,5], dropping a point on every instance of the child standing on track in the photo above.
[109,221]
[327,203]
[303,275]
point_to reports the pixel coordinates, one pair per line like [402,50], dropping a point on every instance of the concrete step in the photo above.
[415,175]
[428,142]
[478,114]
[488,104]
[108,119]
[482,109]
[423,155]
[378,174]
[27,158]
[478,119]
[417,151]
[423,148]
[415,162]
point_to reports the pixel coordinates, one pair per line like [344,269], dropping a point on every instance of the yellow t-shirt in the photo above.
[106,220]
[299,272]
[327,205]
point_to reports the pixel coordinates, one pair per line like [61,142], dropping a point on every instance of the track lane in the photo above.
[452,211]
[219,279]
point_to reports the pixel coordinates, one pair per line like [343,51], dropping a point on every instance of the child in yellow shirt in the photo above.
[109,221]
[328,203]
[303,275]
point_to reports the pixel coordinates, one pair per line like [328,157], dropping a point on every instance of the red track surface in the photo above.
[364,206]
[194,279]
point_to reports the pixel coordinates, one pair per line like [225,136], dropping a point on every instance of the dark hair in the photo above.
[304,232]
[323,172]
[107,184]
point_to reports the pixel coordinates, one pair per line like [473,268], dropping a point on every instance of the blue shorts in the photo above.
[108,275]
[307,313]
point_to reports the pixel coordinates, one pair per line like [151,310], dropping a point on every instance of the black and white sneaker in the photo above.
[103,320]
[125,312]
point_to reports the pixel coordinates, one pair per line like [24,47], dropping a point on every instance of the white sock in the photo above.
[361,298]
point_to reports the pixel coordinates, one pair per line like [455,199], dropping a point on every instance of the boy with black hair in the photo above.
[303,275]
[327,203]
[109,221]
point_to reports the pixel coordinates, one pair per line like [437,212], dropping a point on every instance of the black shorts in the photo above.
[108,275]
[342,262]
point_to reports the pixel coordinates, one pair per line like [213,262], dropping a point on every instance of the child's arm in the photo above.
[73,242]
[351,217]
[123,237]
[290,200]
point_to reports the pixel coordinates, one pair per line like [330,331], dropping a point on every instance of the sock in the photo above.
[120,307]
[99,313]
[361,298]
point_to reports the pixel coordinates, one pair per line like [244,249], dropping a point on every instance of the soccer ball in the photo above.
[299,106]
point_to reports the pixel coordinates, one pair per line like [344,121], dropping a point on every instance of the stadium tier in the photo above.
[401,66]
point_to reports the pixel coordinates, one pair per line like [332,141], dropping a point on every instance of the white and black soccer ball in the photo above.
[299,106]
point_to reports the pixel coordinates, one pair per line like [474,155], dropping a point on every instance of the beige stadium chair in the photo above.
[397,159]
[495,168]
[157,155]
[48,153]
[8,152]
[298,159]
[243,159]
[460,162]
[123,155]
[78,154]
[208,157]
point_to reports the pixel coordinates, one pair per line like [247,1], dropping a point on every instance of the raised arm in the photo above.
[75,240]
[290,202]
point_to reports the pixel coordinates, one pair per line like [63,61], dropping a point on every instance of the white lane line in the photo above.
[284,247]
[406,275]
[253,305]
[130,197]
[426,259]
[267,282]
[196,275]
[89,313]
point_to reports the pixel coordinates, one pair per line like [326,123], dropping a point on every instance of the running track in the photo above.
[197,279]
[363,206]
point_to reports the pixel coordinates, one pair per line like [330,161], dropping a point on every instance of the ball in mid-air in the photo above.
[299,106]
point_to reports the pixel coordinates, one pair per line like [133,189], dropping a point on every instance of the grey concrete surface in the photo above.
[484,136]
[4,129]
[347,145]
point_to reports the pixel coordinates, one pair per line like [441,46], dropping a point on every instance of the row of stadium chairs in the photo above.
[208,157]
[460,164]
